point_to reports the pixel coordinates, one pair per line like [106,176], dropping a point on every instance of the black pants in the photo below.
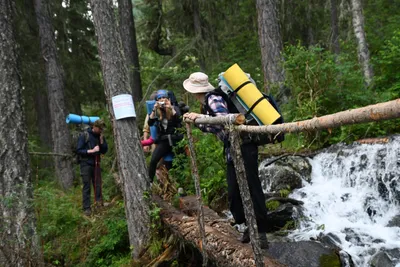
[250,158]
[162,149]
[87,173]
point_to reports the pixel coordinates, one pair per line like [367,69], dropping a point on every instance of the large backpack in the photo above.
[81,130]
[235,106]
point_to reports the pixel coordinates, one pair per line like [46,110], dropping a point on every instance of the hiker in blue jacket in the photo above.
[215,105]
[90,145]
[167,117]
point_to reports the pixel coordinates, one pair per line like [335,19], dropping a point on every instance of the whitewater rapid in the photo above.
[353,194]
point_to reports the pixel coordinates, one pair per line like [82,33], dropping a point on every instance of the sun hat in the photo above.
[162,93]
[197,83]
[100,124]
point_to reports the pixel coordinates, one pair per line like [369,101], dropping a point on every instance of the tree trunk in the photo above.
[132,165]
[128,36]
[248,207]
[335,28]
[363,51]
[198,34]
[18,241]
[55,88]
[378,112]
[270,39]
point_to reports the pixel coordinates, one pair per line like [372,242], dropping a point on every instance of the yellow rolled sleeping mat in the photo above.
[249,95]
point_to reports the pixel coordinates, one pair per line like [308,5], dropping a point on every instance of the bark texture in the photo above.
[18,239]
[132,165]
[128,37]
[200,211]
[363,51]
[378,112]
[245,195]
[270,39]
[55,93]
[222,245]
[335,28]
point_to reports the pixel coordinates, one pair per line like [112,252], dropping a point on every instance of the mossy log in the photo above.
[222,247]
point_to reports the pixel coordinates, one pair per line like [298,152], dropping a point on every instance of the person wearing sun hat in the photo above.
[214,104]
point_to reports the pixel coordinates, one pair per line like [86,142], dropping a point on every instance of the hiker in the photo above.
[167,118]
[215,105]
[90,145]
[148,142]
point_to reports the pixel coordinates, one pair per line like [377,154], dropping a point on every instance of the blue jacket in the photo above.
[83,147]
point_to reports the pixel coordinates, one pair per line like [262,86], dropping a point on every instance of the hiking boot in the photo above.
[263,240]
[245,238]
[87,212]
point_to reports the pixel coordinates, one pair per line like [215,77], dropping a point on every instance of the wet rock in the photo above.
[381,259]
[280,217]
[303,254]
[330,239]
[285,173]
[394,222]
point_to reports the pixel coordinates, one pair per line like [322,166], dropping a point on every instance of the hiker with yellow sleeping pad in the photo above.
[216,102]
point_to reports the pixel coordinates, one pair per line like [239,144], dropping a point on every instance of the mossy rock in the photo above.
[329,260]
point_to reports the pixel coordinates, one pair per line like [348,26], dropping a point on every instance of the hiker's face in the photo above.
[97,130]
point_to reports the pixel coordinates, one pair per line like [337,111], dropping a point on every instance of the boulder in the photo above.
[304,254]
[284,173]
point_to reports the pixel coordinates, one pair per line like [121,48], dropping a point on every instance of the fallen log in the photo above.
[378,112]
[222,245]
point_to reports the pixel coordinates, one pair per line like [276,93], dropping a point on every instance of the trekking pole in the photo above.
[248,206]
[200,214]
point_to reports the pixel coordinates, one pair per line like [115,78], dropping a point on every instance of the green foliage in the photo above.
[112,242]
[284,192]
[323,84]
[70,239]
[329,260]
[210,163]
[387,68]
[273,205]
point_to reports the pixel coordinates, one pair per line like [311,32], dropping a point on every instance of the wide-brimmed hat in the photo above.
[100,124]
[197,83]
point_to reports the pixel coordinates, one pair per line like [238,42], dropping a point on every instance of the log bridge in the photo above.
[214,237]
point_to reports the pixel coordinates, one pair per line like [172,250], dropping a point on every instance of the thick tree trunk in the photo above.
[270,39]
[199,35]
[43,120]
[56,100]
[378,112]
[363,51]
[18,241]
[132,165]
[335,28]
[128,36]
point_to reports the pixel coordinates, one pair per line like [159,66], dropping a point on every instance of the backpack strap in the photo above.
[255,104]
[241,86]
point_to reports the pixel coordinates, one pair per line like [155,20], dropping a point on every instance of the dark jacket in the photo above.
[83,147]
[174,123]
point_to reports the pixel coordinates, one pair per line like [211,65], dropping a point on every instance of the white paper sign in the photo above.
[123,106]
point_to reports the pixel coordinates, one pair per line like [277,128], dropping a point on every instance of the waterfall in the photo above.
[354,193]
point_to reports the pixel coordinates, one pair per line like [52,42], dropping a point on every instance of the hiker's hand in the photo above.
[191,116]
[146,149]
[96,149]
[167,103]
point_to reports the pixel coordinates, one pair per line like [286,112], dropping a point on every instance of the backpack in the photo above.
[75,135]
[235,106]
